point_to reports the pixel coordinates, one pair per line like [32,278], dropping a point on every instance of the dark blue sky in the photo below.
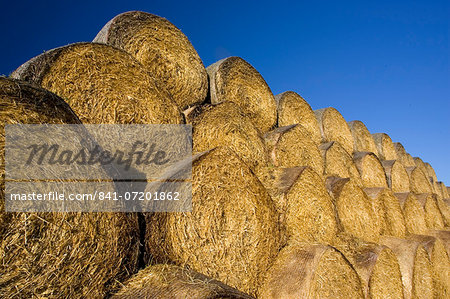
[385,63]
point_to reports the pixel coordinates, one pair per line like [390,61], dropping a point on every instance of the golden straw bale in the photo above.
[362,139]
[354,209]
[397,177]
[431,174]
[385,146]
[310,271]
[433,215]
[306,209]
[418,181]
[443,235]
[164,51]
[370,170]
[101,84]
[414,213]
[292,146]
[225,124]
[293,109]
[170,281]
[444,208]
[337,162]
[415,266]
[421,165]
[443,189]
[232,233]
[390,211]
[376,265]
[404,158]
[53,254]
[333,127]
[234,79]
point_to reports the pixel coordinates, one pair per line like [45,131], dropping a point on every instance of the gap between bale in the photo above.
[362,139]
[414,213]
[231,234]
[389,211]
[354,209]
[53,254]
[337,162]
[385,146]
[293,109]
[415,266]
[292,146]
[310,271]
[370,170]
[376,265]
[333,127]
[234,79]
[433,215]
[404,158]
[164,51]
[397,177]
[101,84]
[304,205]
[170,281]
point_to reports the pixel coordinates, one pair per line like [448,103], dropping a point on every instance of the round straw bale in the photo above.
[385,146]
[304,205]
[433,215]
[376,265]
[439,261]
[292,146]
[362,139]
[418,181]
[52,254]
[444,236]
[163,50]
[443,189]
[102,84]
[354,209]
[170,281]
[370,170]
[224,124]
[333,127]
[420,164]
[389,209]
[404,158]
[293,109]
[338,162]
[232,232]
[234,79]
[445,210]
[413,212]
[431,174]
[310,271]
[397,177]
[415,266]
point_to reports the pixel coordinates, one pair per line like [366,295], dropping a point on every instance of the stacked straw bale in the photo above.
[376,265]
[444,208]
[362,139]
[292,146]
[337,162]
[404,158]
[293,109]
[433,180]
[164,51]
[444,236]
[170,281]
[333,127]
[370,170]
[354,209]
[433,215]
[385,146]
[58,255]
[439,262]
[397,177]
[102,84]
[232,232]
[234,79]
[306,209]
[418,181]
[414,213]
[311,271]
[421,165]
[225,124]
[415,266]
[389,210]
[443,189]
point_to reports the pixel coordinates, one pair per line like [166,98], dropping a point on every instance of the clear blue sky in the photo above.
[385,63]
